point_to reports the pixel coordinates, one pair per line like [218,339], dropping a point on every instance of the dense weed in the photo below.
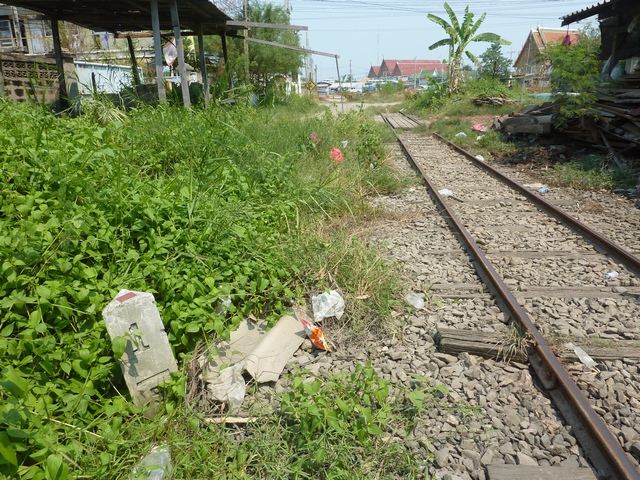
[192,205]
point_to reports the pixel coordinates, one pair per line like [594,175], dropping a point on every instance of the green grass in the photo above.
[592,172]
[340,427]
[192,205]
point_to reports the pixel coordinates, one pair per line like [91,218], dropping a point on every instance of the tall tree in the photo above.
[494,64]
[264,60]
[460,36]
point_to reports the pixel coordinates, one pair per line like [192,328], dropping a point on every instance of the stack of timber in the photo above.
[618,117]
[613,127]
[492,100]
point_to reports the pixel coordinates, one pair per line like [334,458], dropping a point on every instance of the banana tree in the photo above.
[460,36]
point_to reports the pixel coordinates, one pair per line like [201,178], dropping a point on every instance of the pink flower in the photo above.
[314,138]
[336,155]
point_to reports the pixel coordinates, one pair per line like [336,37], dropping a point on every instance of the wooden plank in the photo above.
[497,345]
[574,292]
[531,472]
[277,26]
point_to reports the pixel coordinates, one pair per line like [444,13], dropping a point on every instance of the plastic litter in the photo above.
[479,137]
[460,135]
[229,386]
[344,143]
[478,127]
[612,275]
[543,189]
[315,334]
[445,192]
[480,157]
[155,466]
[416,300]
[224,305]
[327,304]
[583,356]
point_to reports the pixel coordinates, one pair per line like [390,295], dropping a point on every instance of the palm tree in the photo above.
[460,36]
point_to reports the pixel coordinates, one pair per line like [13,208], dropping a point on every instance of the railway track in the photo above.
[552,276]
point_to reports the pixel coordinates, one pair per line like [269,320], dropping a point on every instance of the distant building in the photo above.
[374,71]
[420,68]
[387,67]
[28,68]
[28,32]
[405,69]
[531,68]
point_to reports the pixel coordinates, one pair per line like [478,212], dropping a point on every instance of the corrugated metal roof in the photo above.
[588,11]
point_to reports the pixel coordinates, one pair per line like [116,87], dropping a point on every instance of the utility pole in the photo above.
[246,41]
[350,76]
[307,60]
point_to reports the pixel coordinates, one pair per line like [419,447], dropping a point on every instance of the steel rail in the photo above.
[620,253]
[600,446]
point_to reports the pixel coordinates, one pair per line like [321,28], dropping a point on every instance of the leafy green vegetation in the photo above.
[591,172]
[436,100]
[575,76]
[192,205]
[340,427]
[460,34]
[494,64]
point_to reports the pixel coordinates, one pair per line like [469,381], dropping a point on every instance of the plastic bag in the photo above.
[612,275]
[229,386]
[445,192]
[155,466]
[315,334]
[460,135]
[583,356]
[416,300]
[327,304]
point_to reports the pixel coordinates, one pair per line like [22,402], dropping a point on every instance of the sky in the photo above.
[363,32]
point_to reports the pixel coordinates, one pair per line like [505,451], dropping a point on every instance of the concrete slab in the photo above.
[148,359]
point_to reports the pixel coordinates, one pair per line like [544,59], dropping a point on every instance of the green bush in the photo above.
[191,205]
[574,76]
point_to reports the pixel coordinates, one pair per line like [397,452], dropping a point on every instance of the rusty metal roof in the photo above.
[595,10]
[128,15]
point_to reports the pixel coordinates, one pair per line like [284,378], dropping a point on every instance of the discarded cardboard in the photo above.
[148,359]
[267,353]
[260,352]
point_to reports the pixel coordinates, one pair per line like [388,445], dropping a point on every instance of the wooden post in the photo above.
[203,67]
[246,39]
[340,85]
[157,44]
[225,56]
[134,63]
[63,100]
[182,67]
